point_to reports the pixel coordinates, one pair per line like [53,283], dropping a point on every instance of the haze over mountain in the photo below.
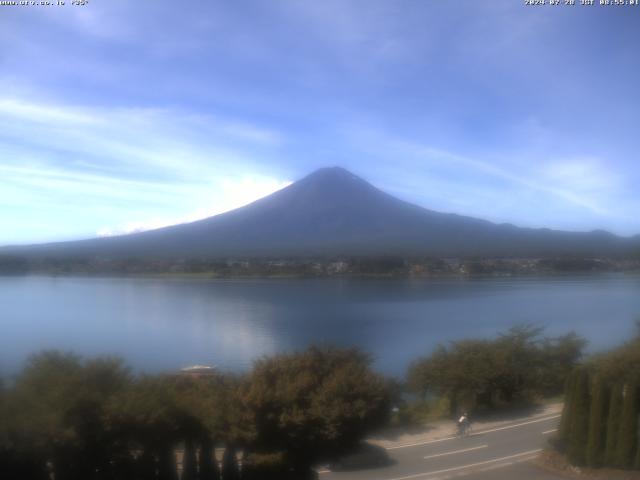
[333,212]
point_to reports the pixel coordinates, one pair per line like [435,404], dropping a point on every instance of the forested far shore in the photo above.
[67,417]
[392,266]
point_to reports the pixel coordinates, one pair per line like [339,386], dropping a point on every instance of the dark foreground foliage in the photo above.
[601,419]
[92,419]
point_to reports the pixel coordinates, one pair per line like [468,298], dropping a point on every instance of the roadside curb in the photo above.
[442,431]
[545,462]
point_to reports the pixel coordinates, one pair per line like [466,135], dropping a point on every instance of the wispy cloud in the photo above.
[565,190]
[232,194]
[545,191]
[135,114]
[140,167]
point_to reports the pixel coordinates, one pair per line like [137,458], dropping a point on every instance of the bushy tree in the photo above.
[314,405]
[462,373]
[207,416]
[559,356]
[149,416]
[518,365]
[621,364]
[520,360]
[19,456]
[59,403]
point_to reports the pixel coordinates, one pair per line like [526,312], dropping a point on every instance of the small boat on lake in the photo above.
[198,370]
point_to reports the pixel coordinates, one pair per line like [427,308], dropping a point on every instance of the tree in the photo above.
[564,430]
[559,356]
[578,437]
[61,402]
[149,416]
[597,424]
[461,373]
[613,425]
[520,362]
[621,364]
[628,430]
[18,457]
[203,405]
[314,405]
[517,366]
[230,470]
[189,462]
[269,466]
[208,463]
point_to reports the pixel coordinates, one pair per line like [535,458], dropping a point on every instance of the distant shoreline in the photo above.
[317,267]
[213,276]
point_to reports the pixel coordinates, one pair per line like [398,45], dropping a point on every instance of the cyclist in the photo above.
[463,425]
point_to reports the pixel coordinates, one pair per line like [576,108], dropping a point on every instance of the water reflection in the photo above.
[160,324]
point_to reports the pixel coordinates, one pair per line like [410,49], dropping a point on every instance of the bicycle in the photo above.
[463,430]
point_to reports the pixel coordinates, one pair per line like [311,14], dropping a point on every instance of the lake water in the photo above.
[160,324]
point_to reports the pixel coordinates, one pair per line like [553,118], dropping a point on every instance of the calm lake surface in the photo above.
[161,324]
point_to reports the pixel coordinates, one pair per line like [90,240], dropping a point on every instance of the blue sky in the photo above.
[120,116]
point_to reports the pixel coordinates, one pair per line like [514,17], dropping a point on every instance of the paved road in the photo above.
[495,453]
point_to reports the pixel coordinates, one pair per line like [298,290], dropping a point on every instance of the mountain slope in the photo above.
[333,212]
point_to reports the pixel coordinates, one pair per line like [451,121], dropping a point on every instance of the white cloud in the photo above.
[155,142]
[157,138]
[528,188]
[232,194]
[588,175]
[136,168]
[563,181]
[19,110]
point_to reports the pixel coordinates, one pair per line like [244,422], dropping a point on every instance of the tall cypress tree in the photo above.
[613,424]
[565,420]
[579,430]
[628,432]
[597,423]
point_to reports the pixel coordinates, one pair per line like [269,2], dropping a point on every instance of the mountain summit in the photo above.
[334,212]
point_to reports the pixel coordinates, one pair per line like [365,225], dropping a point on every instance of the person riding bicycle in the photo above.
[463,424]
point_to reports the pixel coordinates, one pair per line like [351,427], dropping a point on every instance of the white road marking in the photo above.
[456,451]
[550,431]
[470,465]
[320,472]
[429,442]
[516,425]
[485,469]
